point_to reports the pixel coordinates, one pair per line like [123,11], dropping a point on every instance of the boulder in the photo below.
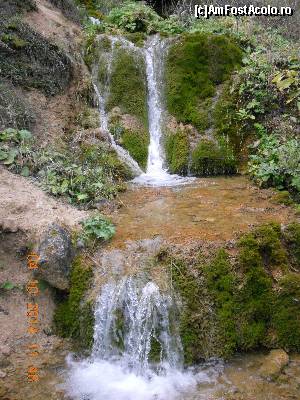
[273,364]
[56,253]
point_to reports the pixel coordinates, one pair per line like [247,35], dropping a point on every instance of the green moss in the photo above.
[210,158]
[254,305]
[282,197]
[74,318]
[291,237]
[195,65]
[286,318]
[193,316]
[138,38]
[263,248]
[221,282]
[177,152]
[155,351]
[127,86]
[137,145]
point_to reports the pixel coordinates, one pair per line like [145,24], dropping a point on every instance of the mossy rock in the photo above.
[282,197]
[177,152]
[210,158]
[246,309]
[263,248]
[14,110]
[286,317]
[128,85]
[226,124]
[195,65]
[31,61]
[74,317]
[291,236]
[138,38]
[136,143]
[9,8]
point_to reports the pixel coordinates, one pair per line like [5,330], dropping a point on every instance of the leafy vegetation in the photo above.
[276,162]
[83,175]
[137,17]
[97,228]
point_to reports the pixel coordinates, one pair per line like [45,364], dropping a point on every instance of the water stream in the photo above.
[102,93]
[156,174]
[154,53]
[137,351]
[130,316]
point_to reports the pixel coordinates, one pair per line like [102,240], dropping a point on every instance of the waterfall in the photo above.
[129,318]
[102,94]
[156,174]
[154,53]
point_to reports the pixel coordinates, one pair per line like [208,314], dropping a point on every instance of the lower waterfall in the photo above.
[129,317]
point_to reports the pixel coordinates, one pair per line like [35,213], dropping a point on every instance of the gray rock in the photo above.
[273,364]
[2,374]
[56,254]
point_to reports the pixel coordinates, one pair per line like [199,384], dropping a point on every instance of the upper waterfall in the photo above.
[155,51]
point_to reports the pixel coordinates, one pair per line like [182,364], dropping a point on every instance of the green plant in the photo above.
[97,228]
[7,285]
[276,162]
[134,17]
[15,149]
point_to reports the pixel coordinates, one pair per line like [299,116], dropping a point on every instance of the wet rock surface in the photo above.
[55,256]
[274,364]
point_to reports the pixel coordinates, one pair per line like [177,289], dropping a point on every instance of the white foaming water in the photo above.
[128,318]
[156,174]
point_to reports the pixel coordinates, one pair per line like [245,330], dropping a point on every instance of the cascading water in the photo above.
[102,93]
[129,317]
[156,175]
[154,54]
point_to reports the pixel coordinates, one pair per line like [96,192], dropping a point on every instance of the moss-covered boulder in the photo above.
[237,303]
[55,256]
[128,84]
[195,65]
[211,158]
[74,315]
[177,152]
